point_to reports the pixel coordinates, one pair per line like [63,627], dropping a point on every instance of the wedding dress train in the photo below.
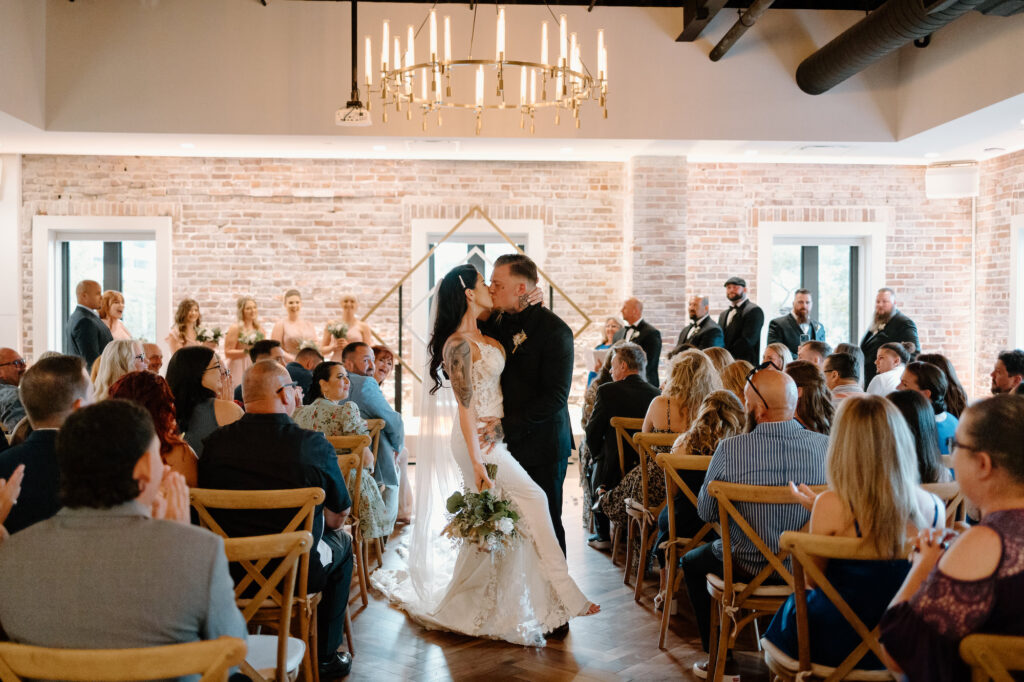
[517,595]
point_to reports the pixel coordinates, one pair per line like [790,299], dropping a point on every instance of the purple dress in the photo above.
[923,634]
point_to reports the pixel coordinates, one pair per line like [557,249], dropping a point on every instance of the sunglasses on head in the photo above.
[750,379]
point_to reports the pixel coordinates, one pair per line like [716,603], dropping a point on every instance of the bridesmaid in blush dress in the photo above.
[358,330]
[247,327]
[186,323]
[293,329]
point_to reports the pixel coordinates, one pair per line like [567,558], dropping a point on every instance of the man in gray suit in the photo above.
[119,566]
[87,335]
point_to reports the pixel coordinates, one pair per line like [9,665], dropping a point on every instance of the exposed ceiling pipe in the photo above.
[746,20]
[885,30]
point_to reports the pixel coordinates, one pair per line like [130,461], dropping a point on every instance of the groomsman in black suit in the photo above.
[797,327]
[645,335]
[889,325]
[702,332]
[741,322]
[87,335]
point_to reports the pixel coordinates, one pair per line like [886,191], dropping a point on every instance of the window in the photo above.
[831,272]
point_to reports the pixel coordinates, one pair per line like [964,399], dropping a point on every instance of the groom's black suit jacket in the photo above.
[535,384]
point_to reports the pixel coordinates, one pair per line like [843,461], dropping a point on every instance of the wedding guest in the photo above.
[798,327]
[814,408]
[721,416]
[889,326]
[741,323]
[611,327]
[152,393]
[734,377]
[956,396]
[52,389]
[930,381]
[973,582]
[890,361]
[154,357]
[266,349]
[644,334]
[354,328]
[118,358]
[111,311]
[872,495]
[702,332]
[814,352]
[301,368]
[383,363]
[720,358]
[187,321]
[194,376]
[920,418]
[691,379]
[12,369]
[293,331]
[777,354]
[1008,373]
[587,465]
[841,377]
[87,336]
[240,338]
[321,412]
[858,359]
[141,575]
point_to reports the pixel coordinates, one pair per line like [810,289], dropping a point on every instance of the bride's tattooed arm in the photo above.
[458,361]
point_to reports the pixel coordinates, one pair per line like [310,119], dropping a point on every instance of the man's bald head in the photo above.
[12,366]
[89,293]
[632,310]
[775,398]
[261,383]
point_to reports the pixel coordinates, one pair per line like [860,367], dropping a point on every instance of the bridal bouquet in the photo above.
[208,334]
[249,339]
[481,518]
[338,330]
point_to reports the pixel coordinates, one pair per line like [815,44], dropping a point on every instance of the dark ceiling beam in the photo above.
[854,5]
[697,14]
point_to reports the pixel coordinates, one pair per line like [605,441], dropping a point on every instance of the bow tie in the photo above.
[630,326]
[735,307]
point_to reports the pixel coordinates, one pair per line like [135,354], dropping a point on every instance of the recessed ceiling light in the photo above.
[380,148]
[750,152]
[931,155]
[187,145]
[566,150]
[994,150]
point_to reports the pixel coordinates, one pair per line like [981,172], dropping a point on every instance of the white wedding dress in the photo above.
[517,595]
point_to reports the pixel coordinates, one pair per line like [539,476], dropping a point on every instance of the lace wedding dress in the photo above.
[517,595]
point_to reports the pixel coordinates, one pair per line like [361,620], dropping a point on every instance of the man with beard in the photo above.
[890,325]
[1008,375]
[741,323]
[797,327]
[702,332]
[774,451]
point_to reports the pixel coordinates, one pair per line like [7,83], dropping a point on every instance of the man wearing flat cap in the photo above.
[741,322]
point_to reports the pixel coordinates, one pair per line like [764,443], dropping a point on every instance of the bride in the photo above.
[517,595]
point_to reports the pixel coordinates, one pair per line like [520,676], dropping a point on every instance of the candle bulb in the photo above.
[600,54]
[604,64]
[384,45]
[572,51]
[533,86]
[433,35]
[480,86]
[368,64]
[544,42]
[501,35]
[410,47]
[398,61]
[447,40]
[423,84]
[522,87]
[563,32]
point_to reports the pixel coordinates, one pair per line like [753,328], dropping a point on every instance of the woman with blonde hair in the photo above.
[118,358]
[111,311]
[240,338]
[814,408]
[734,377]
[293,331]
[777,354]
[611,327]
[720,357]
[721,416]
[357,329]
[873,494]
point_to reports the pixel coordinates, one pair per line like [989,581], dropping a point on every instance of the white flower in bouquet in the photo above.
[482,519]
[338,330]
[306,343]
[505,525]
[249,339]
[208,334]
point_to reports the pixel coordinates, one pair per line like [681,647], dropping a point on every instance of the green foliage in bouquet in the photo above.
[481,518]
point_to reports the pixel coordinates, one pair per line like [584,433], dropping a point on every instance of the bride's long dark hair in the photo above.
[451,305]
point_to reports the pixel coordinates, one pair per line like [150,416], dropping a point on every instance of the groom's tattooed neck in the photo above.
[458,361]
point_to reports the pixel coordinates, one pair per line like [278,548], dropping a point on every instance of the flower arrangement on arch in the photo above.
[481,518]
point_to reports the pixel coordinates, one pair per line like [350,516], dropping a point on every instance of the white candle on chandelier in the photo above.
[410,47]
[500,51]
[522,87]
[533,86]
[577,64]
[423,83]
[480,86]
[604,62]
[384,48]
[398,60]
[433,34]
[572,51]
[544,42]
[368,64]
[447,40]
[602,65]
[563,32]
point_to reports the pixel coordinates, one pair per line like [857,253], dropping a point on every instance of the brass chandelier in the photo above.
[425,87]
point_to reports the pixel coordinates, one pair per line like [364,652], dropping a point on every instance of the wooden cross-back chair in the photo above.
[277,655]
[348,447]
[305,502]
[375,426]
[676,546]
[211,659]
[807,551]
[642,515]
[949,493]
[992,657]
[731,598]
[624,427]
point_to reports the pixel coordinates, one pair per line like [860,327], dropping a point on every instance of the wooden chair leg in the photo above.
[304,634]
[314,656]
[666,614]
[616,541]
[360,569]
[348,631]
[641,562]
[714,640]
[629,551]
[722,648]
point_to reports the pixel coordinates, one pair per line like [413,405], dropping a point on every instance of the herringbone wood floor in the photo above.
[620,643]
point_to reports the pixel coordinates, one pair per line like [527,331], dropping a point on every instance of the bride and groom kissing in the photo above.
[510,366]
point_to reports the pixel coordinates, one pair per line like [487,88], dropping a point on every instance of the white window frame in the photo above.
[1016,281]
[49,231]
[869,235]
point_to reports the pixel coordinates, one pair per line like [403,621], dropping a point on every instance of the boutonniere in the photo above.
[517,341]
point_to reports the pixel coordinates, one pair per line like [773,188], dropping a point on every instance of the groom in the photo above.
[535,383]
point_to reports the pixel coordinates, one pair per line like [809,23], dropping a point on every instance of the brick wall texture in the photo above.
[660,228]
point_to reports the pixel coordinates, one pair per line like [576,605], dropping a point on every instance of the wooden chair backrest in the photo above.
[211,659]
[304,500]
[645,444]
[624,428]
[727,495]
[375,426]
[671,464]
[992,657]
[346,445]
[805,548]
[949,493]
[277,589]
[349,464]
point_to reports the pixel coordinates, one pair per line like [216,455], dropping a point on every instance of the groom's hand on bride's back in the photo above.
[490,433]
[535,297]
